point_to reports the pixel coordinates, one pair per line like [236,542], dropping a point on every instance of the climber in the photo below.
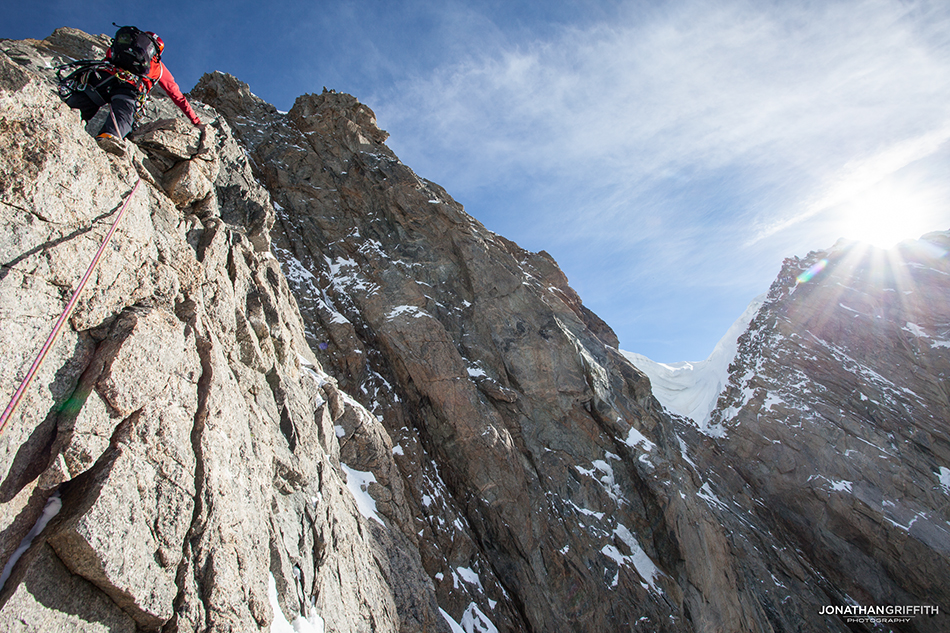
[132,65]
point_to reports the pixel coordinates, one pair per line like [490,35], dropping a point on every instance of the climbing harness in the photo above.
[18,395]
[76,76]
[82,76]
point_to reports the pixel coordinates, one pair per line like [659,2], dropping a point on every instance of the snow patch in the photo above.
[313,623]
[641,562]
[706,493]
[607,480]
[411,311]
[684,452]
[835,485]
[475,371]
[53,505]
[585,511]
[294,270]
[358,482]
[474,621]
[919,332]
[840,486]
[771,400]
[347,281]
[455,626]
[944,478]
[635,438]
[603,473]
[614,554]
[470,576]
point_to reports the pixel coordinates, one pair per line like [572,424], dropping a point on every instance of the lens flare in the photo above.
[810,274]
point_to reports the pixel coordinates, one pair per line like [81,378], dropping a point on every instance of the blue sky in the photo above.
[669,155]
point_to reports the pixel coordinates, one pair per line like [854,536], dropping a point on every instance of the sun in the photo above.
[888,213]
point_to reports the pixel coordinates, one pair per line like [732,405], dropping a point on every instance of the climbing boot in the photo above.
[111,144]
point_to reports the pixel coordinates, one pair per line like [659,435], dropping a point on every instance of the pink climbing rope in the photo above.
[8,413]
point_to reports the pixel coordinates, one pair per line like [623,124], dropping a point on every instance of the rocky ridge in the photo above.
[408,421]
[837,417]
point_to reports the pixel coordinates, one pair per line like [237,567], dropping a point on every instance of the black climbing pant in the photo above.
[104,88]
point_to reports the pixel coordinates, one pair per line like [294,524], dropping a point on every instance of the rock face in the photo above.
[181,421]
[837,417]
[301,361]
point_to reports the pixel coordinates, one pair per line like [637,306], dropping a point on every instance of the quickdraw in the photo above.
[141,100]
[78,77]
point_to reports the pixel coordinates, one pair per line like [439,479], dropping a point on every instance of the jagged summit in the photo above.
[305,384]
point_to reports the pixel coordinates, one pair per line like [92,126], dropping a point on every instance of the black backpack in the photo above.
[133,50]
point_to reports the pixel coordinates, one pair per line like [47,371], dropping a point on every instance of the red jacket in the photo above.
[158,73]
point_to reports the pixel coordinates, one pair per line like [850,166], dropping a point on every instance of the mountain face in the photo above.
[837,417]
[305,386]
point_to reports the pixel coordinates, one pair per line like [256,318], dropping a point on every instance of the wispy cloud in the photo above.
[788,94]
[853,180]
[693,143]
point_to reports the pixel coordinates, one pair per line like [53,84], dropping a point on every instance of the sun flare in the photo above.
[887,214]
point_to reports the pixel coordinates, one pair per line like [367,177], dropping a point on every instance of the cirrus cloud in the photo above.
[694,136]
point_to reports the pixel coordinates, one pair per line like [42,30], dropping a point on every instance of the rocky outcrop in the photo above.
[303,379]
[181,422]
